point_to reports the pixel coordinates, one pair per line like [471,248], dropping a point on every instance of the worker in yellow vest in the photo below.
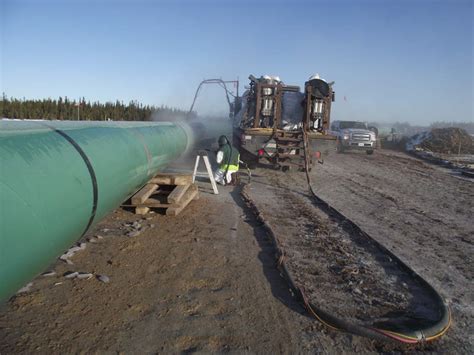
[228,160]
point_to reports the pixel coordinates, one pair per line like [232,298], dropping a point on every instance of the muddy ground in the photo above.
[205,281]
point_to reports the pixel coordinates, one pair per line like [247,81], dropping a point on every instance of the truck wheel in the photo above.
[369,151]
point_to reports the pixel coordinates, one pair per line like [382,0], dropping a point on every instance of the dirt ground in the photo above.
[205,281]
[419,211]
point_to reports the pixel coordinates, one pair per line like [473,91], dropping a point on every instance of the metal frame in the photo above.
[256,89]
[221,83]
[327,101]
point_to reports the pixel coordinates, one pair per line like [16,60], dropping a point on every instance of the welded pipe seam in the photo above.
[85,158]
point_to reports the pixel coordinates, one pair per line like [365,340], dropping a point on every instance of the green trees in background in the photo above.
[66,109]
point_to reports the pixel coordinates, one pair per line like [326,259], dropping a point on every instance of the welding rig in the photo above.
[274,117]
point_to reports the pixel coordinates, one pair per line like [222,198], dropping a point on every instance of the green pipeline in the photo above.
[57,179]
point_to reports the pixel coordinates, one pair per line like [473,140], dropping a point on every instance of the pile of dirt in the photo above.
[450,140]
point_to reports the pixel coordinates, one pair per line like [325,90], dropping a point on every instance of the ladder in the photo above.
[290,149]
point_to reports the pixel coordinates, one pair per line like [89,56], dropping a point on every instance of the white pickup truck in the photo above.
[353,135]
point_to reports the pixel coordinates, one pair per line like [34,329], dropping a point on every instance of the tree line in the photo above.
[66,109]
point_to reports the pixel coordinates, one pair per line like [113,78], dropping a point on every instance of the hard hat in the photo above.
[222,140]
[276,78]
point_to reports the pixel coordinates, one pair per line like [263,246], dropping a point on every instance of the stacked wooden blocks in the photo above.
[172,192]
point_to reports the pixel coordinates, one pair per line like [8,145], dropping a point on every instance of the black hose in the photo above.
[389,333]
[228,160]
[220,82]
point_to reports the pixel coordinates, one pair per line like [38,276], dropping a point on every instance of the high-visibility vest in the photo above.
[230,161]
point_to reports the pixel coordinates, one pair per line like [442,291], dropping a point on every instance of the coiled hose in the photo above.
[390,331]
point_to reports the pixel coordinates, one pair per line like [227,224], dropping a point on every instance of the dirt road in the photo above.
[206,281]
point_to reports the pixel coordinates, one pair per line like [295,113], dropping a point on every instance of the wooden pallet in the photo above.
[172,192]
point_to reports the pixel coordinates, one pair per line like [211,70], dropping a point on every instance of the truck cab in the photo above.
[353,135]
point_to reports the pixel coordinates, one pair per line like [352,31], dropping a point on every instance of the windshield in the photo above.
[353,124]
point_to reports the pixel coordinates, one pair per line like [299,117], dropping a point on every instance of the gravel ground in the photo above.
[206,281]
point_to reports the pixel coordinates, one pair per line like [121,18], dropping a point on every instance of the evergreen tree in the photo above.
[64,109]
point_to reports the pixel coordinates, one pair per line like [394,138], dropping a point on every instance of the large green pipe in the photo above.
[59,178]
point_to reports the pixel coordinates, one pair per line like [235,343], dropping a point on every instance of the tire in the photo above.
[369,151]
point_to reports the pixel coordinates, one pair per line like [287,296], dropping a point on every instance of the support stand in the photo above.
[203,154]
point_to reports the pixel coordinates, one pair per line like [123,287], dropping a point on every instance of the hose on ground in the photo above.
[417,335]
[389,332]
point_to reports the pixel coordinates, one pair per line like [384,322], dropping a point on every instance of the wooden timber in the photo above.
[172,192]
[143,194]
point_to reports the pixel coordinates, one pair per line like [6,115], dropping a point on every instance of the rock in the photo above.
[99,236]
[70,274]
[84,275]
[25,288]
[152,226]
[103,278]
[136,225]
[48,273]
[133,234]
[73,250]
[65,258]
[92,240]
[82,246]
[105,230]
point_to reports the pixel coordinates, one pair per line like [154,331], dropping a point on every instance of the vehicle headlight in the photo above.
[346,136]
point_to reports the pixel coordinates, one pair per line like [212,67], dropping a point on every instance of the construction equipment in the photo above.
[233,106]
[57,179]
[274,115]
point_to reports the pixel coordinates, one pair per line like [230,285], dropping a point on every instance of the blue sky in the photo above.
[392,60]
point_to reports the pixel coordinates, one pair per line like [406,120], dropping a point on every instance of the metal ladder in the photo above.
[290,149]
